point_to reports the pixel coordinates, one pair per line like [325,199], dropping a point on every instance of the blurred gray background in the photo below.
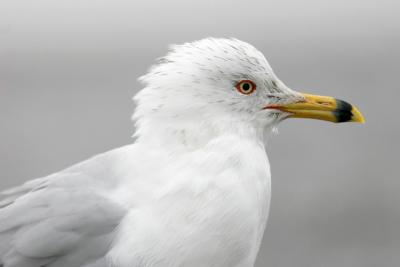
[68,71]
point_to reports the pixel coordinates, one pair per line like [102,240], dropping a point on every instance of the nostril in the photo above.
[324,103]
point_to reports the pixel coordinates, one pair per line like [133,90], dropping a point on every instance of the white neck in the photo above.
[189,134]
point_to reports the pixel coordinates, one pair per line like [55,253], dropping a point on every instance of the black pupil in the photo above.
[246,86]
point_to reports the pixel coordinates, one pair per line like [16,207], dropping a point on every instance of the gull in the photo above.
[192,190]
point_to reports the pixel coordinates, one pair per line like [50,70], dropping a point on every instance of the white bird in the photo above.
[194,188]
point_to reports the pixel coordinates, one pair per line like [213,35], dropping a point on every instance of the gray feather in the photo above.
[57,221]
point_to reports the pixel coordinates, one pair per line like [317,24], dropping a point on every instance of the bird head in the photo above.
[213,86]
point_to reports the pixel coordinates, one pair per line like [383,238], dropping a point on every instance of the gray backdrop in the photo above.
[68,70]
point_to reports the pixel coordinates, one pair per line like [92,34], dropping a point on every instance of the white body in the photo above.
[194,209]
[209,209]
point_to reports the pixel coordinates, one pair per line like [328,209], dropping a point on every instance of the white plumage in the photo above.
[192,190]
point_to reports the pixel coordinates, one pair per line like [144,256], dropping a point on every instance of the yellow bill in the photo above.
[321,108]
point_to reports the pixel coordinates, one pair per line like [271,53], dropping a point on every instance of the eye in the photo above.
[246,87]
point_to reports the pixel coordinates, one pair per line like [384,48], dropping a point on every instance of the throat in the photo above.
[191,135]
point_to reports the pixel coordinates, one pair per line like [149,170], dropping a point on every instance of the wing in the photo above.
[63,220]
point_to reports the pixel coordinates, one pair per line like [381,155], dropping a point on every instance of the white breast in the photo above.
[208,208]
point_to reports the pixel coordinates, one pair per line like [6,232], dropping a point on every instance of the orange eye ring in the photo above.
[246,87]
